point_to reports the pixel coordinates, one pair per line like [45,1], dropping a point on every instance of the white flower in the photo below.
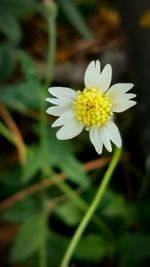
[91,108]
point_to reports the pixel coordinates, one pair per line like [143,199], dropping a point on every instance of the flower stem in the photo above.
[81,204]
[42,248]
[50,13]
[92,208]
[51,20]
[4,131]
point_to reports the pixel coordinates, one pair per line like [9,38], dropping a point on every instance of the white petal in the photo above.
[119,89]
[117,98]
[62,92]
[92,73]
[96,140]
[105,138]
[60,101]
[98,66]
[89,74]
[129,96]
[122,106]
[57,111]
[64,118]
[105,78]
[69,130]
[113,133]
[54,101]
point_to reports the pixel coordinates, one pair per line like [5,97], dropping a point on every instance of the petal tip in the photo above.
[131,84]
[47,111]
[60,136]
[109,67]
[49,90]
[134,103]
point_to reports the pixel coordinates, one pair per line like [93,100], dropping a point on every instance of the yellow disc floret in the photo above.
[92,108]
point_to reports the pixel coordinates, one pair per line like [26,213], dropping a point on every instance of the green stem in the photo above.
[42,255]
[50,15]
[51,18]
[42,249]
[7,134]
[77,200]
[81,204]
[92,208]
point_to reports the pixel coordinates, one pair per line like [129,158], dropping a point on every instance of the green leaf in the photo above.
[70,214]
[10,26]
[8,60]
[93,248]
[57,246]
[22,96]
[143,210]
[134,248]
[20,7]
[54,149]
[28,239]
[21,211]
[75,18]
[9,179]
[33,165]
[115,205]
[74,170]
[29,66]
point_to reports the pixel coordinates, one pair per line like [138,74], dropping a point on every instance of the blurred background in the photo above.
[46,185]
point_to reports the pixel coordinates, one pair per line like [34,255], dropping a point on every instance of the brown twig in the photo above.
[47,2]
[91,165]
[16,132]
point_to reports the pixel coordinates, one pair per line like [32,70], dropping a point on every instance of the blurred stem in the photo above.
[52,44]
[4,131]
[92,208]
[81,204]
[50,15]
[42,250]
[44,218]
[16,133]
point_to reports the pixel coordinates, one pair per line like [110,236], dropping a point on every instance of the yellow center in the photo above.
[92,108]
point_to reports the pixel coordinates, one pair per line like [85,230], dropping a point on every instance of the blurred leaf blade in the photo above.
[22,96]
[74,171]
[134,248]
[93,248]
[28,66]
[75,18]
[21,211]
[20,8]
[69,213]
[28,238]
[68,163]
[10,27]
[33,164]
[8,60]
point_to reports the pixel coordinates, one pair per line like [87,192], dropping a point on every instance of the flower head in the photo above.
[92,108]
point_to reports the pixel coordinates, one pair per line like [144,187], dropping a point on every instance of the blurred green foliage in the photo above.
[47,218]
[10,13]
